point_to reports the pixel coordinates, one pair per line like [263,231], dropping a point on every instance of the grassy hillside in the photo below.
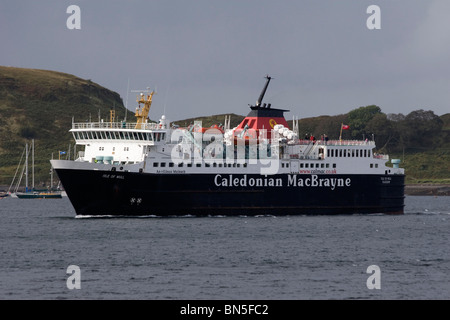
[39,105]
[208,121]
[426,167]
[429,165]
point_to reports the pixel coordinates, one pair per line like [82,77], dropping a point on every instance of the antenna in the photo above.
[295,125]
[126,103]
[165,99]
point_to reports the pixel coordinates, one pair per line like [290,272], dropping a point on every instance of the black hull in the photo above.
[138,194]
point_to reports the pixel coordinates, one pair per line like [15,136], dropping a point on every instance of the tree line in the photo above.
[418,131]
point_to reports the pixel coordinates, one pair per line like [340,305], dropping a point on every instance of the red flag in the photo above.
[345,127]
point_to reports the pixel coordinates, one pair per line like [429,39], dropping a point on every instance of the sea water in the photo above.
[224,258]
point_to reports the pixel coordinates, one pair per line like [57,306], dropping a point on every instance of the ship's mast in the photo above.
[142,114]
[32,162]
[26,167]
[263,92]
[112,117]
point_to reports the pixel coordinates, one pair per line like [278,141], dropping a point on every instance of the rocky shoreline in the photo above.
[427,190]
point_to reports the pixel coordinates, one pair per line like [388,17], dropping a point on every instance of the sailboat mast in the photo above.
[26,167]
[32,169]
[51,175]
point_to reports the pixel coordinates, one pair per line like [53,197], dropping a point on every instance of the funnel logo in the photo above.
[272,123]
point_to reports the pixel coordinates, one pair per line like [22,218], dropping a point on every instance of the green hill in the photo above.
[39,105]
[208,121]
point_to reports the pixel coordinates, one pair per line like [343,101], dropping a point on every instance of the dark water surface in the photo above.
[231,258]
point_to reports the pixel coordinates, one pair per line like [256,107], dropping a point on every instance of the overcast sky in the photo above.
[210,56]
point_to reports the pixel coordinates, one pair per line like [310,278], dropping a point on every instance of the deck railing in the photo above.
[337,142]
[114,125]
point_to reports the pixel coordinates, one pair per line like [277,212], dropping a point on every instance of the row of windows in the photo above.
[314,165]
[348,153]
[244,165]
[119,135]
[237,165]
[199,165]
[114,149]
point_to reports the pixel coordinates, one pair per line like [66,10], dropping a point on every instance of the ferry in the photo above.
[260,167]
